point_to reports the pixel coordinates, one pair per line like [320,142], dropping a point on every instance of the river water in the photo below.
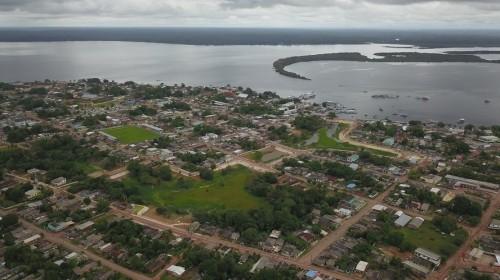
[453,90]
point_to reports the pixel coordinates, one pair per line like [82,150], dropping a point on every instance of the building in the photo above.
[361,266]
[495,224]
[84,226]
[417,268]
[58,181]
[429,256]
[431,179]
[416,222]
[470,183]
[402,220]
[489,139]
[176,270]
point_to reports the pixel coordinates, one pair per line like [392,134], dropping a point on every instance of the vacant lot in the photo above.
[328,139]
[429,238]
[266,155]
[130,134]
[226,190]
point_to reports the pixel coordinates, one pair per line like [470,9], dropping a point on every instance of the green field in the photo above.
[326,142]
[224,191]
[130,134]
[429,238]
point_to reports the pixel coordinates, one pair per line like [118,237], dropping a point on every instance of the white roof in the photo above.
[71,255]
[435,190]
[177,270]
[379,207]
[361,266]
[32,238]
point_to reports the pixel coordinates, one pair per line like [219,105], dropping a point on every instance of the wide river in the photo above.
[453,90]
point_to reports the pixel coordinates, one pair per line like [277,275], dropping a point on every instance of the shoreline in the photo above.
[398,57]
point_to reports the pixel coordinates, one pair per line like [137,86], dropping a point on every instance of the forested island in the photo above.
[281,64]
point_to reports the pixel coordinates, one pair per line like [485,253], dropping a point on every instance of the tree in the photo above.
[86,201]
[165,173]
[461,205]
[206,174]
[9,220]
[250,235]
[102,205]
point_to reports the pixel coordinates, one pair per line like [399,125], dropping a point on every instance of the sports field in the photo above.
[225,190]
[129,134]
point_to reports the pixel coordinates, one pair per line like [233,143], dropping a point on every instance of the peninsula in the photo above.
[281,64]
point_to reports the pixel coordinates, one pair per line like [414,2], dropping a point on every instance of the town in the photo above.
[108,180]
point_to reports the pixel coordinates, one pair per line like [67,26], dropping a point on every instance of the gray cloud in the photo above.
[272,13]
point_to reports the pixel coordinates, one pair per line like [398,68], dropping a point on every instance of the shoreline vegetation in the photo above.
[463,57]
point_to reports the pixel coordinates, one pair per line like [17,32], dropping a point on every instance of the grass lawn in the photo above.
[429,238]
[326,142]
[130,134]
[266,156]
[88,168]
[224,191]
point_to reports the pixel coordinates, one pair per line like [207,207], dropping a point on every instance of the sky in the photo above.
[456,14]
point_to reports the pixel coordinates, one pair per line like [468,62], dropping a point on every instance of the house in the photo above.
[176,270]
[342,212]
[33,193]
[416,222]
[495,224]
[56,227]
[353,158]
[379,207]
[275,234]
[431,179]
[417,268]
[402,220]
[489,139]
[361,266]
[429,256]
[58,181]
[476,254]
[389,141]
[84,225]
[31,239]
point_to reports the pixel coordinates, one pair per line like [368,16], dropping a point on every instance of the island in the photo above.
[280,64]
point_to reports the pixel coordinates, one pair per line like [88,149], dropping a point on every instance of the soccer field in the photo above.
[130,134]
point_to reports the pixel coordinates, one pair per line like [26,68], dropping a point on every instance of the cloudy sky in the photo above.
[254,13]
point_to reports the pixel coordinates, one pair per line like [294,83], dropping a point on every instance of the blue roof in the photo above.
[311,273]
[351,186]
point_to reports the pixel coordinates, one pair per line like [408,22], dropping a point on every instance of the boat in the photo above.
[487,101]
[461,121]
[306,96]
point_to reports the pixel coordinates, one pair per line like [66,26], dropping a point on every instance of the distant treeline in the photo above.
[257,36]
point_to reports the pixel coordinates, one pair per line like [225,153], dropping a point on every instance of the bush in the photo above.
[206,174]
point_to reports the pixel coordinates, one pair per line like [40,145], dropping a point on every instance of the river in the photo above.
[453,90]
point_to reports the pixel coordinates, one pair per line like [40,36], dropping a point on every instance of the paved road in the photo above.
[344,137]
[340,232]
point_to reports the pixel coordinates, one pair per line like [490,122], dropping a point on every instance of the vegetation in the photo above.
[129,134]
[288,209]
[226,190]
[60,155]
[143,110]
[212,265]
